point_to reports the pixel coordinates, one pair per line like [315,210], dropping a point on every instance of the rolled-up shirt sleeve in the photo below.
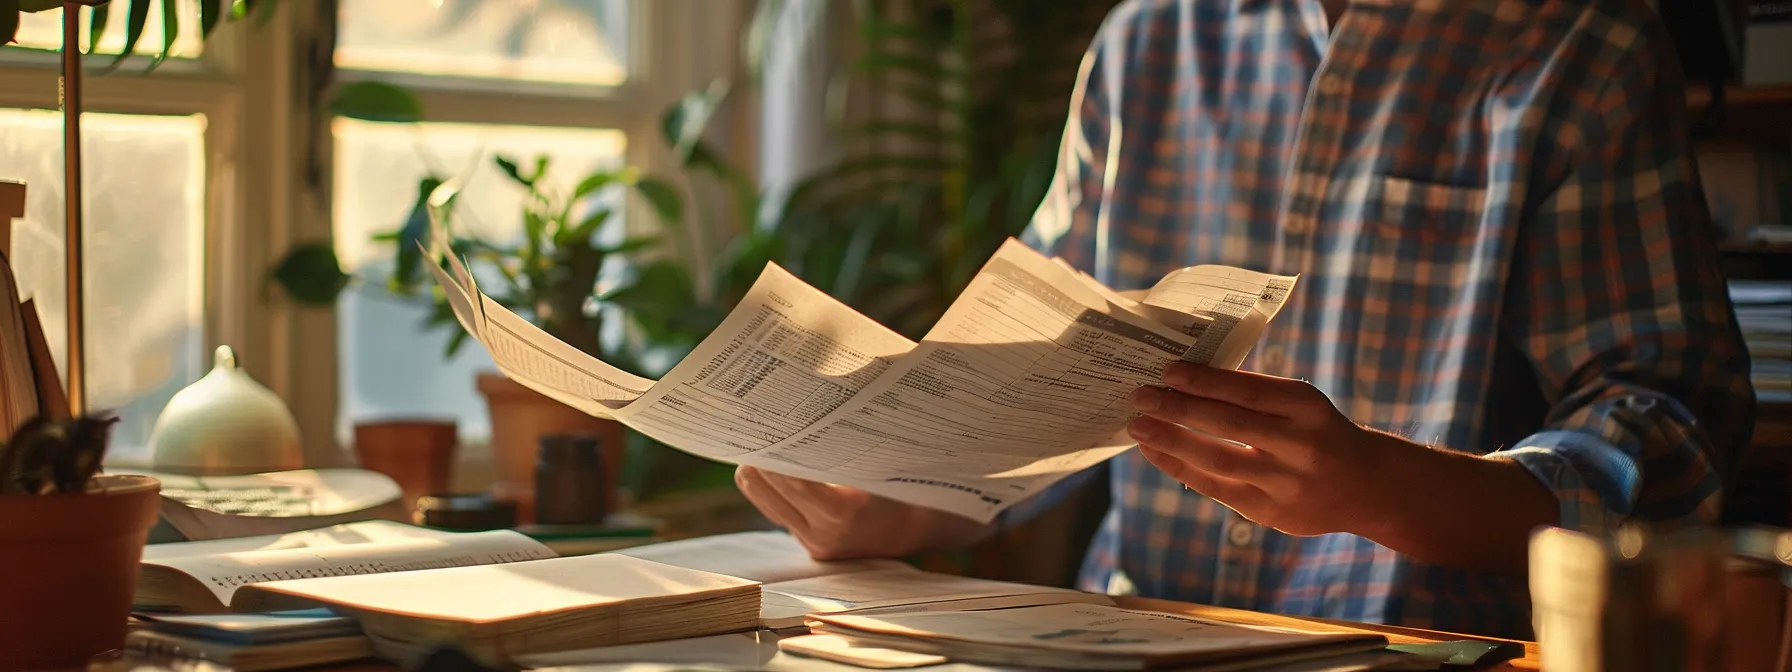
[1617,299]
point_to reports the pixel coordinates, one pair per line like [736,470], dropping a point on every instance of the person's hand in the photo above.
[1304,468]
[840,523]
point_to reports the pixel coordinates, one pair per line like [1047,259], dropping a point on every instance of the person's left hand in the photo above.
[1305,468]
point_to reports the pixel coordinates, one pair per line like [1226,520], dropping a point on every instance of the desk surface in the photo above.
[1394,634]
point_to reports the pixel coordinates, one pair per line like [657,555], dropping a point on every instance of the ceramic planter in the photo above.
[418,454]
[520,417]
[68,570]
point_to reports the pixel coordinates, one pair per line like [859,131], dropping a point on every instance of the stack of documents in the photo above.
[1093,637]
[251,642]
[795,587]
[1764,311]
[1024,381]
[495,612]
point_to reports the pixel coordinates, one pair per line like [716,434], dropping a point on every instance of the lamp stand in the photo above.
[72,243]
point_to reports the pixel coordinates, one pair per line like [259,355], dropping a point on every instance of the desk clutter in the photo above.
[500,600]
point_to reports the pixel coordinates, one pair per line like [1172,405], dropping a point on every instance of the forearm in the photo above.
[1454,509]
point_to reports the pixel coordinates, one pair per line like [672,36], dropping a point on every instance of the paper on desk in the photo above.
[906,590]
[1081,629]
[763,556]
[1024,380]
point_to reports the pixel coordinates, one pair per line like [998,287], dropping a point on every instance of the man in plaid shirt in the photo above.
[1509,315]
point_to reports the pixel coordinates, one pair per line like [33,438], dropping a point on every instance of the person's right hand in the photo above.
[840,523]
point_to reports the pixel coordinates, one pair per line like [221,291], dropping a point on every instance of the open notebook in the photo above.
[796,586]
[496,612]
[204,576]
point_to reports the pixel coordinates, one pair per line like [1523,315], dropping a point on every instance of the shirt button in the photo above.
[1330,84]
[1240,534]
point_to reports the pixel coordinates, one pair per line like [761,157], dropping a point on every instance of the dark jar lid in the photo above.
[569,450]
[470,512]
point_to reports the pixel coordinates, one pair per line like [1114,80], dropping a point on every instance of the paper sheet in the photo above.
[767,557]
[901,587]
[1083,629]
[786,356]
[1025,379]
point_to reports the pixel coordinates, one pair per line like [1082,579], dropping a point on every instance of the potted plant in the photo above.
[72,539]
[550,276]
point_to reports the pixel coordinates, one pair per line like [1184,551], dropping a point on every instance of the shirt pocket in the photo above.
[1425,285]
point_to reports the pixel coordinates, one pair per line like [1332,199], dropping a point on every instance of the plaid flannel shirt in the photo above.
[1503,248]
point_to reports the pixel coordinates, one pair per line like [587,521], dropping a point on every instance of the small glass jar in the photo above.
[569,480]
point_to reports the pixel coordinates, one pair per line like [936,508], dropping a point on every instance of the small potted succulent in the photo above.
[71,539]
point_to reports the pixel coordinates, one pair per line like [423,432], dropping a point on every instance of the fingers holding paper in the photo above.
[841,523]
[1273,449]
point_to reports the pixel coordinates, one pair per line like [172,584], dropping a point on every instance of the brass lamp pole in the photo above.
[71,223]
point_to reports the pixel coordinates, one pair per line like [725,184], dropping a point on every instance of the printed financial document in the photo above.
[1024,381]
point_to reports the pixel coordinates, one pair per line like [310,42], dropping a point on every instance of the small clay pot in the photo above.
[418,454]
[520,417]
[68,570]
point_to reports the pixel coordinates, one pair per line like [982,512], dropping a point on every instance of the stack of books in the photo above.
[1764,311]
[404,594]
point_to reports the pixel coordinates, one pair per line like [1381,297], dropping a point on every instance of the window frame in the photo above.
[259,138]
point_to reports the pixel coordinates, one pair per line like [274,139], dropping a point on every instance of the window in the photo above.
[577,81]
[562,41]
[145,240]
[392,366]
[146,167]
[201,174]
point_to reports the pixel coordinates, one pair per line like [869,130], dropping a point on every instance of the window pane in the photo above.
[43,30]
[392,364]
[565,41]
[145,232]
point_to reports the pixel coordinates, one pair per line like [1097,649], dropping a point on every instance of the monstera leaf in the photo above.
[212,13]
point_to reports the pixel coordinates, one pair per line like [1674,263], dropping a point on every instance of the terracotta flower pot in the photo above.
[520,417]
[416,453]
[70,570]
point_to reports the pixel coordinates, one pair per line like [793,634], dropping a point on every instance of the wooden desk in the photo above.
[1396,635]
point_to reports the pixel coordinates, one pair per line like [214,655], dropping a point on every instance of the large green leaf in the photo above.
[211,12]
[685,123]
[136,22]
[96,27]
[584,230]
[510,169]
[376,101]
[310,274]
[664,198]
[170,30]
[407,266]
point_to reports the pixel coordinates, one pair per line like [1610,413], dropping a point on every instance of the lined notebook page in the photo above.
[493,593]
[360,532]
[224,574]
